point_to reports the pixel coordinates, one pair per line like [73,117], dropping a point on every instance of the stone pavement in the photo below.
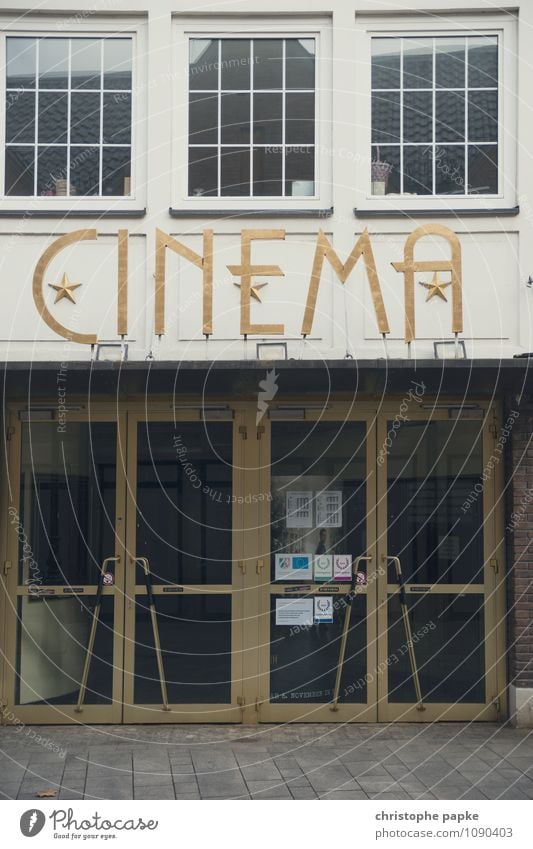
[400,761]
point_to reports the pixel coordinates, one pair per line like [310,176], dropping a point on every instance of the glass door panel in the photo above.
[439,590]
[320,521]
[62,530]
[181,656]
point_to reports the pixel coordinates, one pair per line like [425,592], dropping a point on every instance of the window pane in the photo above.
[385,63]
[418,63]
[52,171]
[483,169]
[203,170]
[53,63]
[418,116]
[203,64]
[117,63]
[53,113]
[385,170]
[450,658]
[235,171]
[20,116]
[450,63]
[117,118]
[386,117]
[235,119]
[52,635]
[300,171]
[450,169]
[195,636]
[300,63]
[268,124]
[267,171]
[20,58]
[483,62]
[85,63]
[417,165]
[300,120]
[203,119]
[235,63]
[268,63]
[450,117]
[19,170]
[483,116]
[84,118]
[85,170]
[116,171]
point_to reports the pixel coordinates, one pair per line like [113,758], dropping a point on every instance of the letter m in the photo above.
[324,250]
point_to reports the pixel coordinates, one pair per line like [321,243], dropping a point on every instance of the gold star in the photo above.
[254,290]
[436,287]
[64,289]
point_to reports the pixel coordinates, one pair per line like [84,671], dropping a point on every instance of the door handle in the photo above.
[260,566]
[155,627]
[407,626]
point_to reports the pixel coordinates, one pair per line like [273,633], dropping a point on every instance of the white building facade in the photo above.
[266,326]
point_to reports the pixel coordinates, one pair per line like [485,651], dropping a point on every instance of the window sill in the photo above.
[72,213]
[438,212]
[250,213]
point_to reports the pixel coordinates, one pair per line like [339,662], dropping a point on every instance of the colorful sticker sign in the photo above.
[323,567]
[323,608]
[342,567]
[293,567]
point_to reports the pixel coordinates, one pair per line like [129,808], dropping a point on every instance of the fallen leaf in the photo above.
[46,794]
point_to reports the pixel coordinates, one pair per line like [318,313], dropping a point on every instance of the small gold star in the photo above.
[436,287]
[64,289]
[254,290]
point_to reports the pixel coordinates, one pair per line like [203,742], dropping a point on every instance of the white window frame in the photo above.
[502,26]
[31,28]
[320,30]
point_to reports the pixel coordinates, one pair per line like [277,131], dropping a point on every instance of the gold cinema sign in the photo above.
[247,272]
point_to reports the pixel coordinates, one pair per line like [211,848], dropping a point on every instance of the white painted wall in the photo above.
[497,252]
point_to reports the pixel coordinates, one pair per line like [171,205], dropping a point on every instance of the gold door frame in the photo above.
[214,712]
[58,713]
[313,712]
[251,588]
[492,588]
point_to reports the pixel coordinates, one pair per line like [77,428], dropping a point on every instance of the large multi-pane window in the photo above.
[435,115]
[252,117]
[68,116]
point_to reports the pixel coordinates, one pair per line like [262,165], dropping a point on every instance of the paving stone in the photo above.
[261,772]
[154,792]
[302,792]
[9,791]
[332,779]
[220,786]
[268,790]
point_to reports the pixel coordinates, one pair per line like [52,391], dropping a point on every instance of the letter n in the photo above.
[205,263]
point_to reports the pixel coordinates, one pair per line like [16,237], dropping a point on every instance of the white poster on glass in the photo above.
[329,509]
[299,509]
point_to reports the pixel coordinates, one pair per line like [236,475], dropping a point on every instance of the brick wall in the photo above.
[519,538]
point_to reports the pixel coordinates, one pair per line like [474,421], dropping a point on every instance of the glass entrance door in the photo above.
[64,572]
[438,594]
[183,600]
[317,628]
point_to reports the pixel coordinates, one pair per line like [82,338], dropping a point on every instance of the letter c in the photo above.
[38,276]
